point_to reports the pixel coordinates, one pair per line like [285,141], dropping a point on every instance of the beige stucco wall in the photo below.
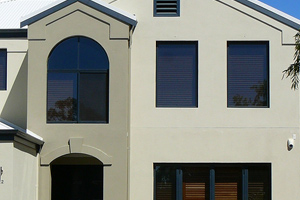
[13,101]
[108,140]
[6,162]
[25,172]
[211,133]
[19,171]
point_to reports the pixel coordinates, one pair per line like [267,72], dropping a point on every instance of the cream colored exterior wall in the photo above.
[6,162]
[19,163]
[19,172]
[14,100]
[211,133]
[106,140]
[25,172]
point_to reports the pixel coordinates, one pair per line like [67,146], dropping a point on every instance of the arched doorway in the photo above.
[77,177]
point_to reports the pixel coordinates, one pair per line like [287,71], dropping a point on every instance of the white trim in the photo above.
[12,126]
[5,125]
[29,132]
[276,11]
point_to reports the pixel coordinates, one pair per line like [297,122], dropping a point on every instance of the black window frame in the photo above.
[158,13]
[267,74]
[78,72]
[246,177]
[193,81]
[3,85]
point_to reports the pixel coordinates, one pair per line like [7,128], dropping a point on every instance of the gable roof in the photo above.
[96,4]
[272,12]
[11,11]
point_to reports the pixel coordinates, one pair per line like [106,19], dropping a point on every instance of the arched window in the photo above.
[78,72]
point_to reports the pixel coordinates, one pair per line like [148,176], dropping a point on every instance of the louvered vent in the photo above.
[166,7]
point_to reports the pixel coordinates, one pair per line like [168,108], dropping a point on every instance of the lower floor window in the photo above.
[74,182]
[212,181]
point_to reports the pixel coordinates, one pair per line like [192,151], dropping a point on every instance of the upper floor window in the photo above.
[167,8]
[248,74]
[78,82]
[3,68]
[177,74]
[212,181]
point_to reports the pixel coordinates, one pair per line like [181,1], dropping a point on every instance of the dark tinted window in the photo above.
[3,68]
[176,74]
[91,55]
[62,97]
[78,82]
[77,182]
[64,55]
[93,102]
[212,181]
[248,69]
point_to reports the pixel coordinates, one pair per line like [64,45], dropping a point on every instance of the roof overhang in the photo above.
[99,5]
[11,132]
[272,12]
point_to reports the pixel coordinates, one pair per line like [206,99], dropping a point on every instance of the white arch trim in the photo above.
[85,149]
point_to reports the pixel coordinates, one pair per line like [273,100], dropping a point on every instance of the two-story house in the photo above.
[147,100]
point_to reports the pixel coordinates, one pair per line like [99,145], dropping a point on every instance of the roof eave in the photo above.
[96,4]
[11,134]
[272,12]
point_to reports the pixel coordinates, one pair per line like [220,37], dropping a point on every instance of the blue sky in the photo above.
[291,7]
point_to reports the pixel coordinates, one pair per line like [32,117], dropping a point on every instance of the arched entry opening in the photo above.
[75,177]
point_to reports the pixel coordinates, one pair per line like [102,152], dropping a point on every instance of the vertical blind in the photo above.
[247,74]
[176,74]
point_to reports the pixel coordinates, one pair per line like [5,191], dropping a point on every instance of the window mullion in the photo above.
[245,184]
[178,184]
[78,79]
[212,184]
[154,178]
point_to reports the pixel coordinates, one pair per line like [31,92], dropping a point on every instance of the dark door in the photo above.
[77,182]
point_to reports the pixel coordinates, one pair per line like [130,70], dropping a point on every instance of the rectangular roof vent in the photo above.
[166,7]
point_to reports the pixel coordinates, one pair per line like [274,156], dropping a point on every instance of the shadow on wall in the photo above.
[15,107]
